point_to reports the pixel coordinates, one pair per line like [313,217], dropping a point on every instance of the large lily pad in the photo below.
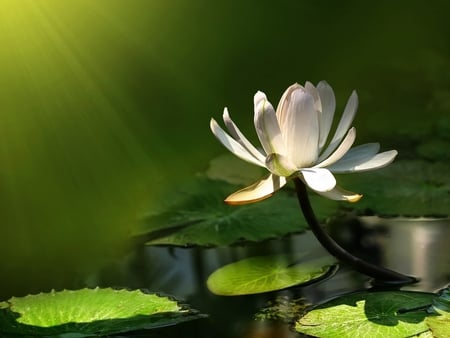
[196,214]
[405,187]
[369,314]
[89,312]
[439,325]
[231,169]
[267,273]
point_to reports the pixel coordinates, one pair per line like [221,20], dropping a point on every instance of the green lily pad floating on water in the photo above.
[440,323]
[393,314]
[267,273]
[89,312]
[196,214]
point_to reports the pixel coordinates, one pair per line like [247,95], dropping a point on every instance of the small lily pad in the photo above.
[369,314]
[89,312]
[196,214]
[266,273]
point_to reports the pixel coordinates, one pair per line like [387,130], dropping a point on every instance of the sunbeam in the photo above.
[73,174]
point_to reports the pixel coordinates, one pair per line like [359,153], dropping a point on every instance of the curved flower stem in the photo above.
[383,275]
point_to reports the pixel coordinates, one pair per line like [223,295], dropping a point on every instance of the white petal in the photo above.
[266,125]
[319,179]
[344,124]
[356,156]
[328,102]
[300,129]
[340,151]
[309,87]
[284,103]
[257,191]
[232,145]
[378,161]
[339,194]
[238,136]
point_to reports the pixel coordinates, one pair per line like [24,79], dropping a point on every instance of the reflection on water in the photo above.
[413,246]
[417,247]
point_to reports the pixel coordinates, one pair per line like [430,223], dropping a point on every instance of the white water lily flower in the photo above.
[295,142]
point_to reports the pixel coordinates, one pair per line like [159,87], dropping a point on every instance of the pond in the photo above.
[414,246]
[110,175]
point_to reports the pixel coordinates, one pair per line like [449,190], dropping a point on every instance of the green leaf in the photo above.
[407,187]
[231,169]
[88,312]
[369,314]
[434,149]
[267,273]
[196,214]
[440,323]
[426,334]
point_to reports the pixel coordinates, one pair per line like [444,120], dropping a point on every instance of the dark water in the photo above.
[412,246]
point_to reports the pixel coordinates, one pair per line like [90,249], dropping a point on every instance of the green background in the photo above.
[105,104]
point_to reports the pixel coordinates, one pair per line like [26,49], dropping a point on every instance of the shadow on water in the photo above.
[414,246]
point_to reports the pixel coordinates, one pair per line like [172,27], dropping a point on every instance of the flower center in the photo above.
[280,165]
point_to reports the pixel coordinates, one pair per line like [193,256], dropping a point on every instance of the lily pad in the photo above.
[435,149]
[406,187]
[440,323]
[196,214]
[426,334]
[267,273]
[89,312]
[441,304]
[369,314]
[231,169]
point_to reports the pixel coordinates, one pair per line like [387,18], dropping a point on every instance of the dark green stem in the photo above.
[380,274]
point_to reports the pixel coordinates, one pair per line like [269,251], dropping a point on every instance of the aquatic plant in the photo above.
[294,138]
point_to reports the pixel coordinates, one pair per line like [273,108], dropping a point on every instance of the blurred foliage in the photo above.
[105,105]
[405,188]
[195,214]
[416,184]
